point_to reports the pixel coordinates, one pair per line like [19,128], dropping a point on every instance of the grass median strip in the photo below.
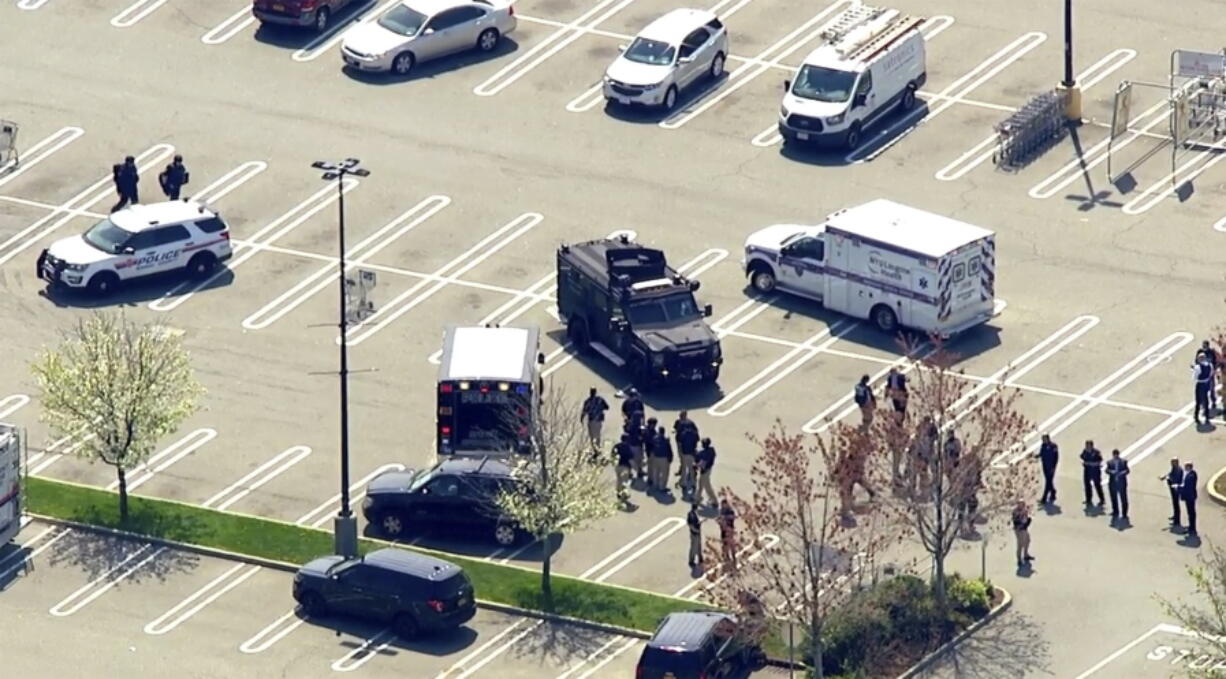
[280,541]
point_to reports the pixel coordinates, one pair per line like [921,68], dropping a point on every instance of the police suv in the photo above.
[138,241]
[871,64]
[623,302]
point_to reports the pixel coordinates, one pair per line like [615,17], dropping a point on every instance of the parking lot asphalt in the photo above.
[481,166]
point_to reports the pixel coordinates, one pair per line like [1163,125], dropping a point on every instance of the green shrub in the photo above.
[852,634]
[971,597]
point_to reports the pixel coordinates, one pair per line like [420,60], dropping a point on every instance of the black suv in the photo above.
[415,592]
[623,302]
[454,496]
[698,645]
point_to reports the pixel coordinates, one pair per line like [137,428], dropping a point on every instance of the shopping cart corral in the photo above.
[1030,130]
[9,159]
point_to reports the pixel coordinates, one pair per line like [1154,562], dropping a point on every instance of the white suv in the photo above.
[670,54]
[138,241]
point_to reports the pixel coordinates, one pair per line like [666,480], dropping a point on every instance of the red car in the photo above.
[314,13]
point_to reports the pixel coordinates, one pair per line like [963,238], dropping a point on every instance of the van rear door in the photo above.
[967,285]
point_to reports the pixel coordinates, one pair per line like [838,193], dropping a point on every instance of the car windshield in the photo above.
[653,52]
[671,309]
[403,21]
[341,566]
[420,479]
[823,84]
[107,237]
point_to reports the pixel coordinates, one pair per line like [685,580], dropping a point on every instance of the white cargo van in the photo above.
[872,61]
[895,265]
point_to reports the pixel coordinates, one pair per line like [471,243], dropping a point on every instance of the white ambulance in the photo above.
[895,265]
[872,62]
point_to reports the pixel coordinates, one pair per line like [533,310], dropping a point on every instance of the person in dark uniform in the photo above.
[1117,484]
[727,532]
[685,431]
[695,523]
[593,414]
[1092,471]
[1211,354]
[1188,493]
[634,438]
[625,466]
[126,176]
[1049,457]
[174,178]
[896,387]
[863,395]
[1174,483]
[1021,530]
[1202,375]
[661,460]
[705,462]
[649,446]
[632,404]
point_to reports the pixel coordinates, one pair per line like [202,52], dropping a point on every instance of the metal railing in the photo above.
[1030,130]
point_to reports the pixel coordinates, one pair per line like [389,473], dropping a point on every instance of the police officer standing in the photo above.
[1117,484]
[126,176]
[863,395]
[661,460]
[1092,471]
[695,523]
[1202,374]
[727,532]
[593,413]
[685,431]
[633,404]
[1174,484]
[1049,457]
[625,465]
[896,387]
[705,461]
[173,178]
[1188,492]
[1211,354]
[634,438]
[1021,530]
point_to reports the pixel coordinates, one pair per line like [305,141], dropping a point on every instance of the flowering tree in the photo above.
[1207,617]
[563,487]
[803,575]
[129,385]
[945,462]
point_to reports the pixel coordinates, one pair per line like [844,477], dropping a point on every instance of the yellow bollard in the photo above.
[1072,105]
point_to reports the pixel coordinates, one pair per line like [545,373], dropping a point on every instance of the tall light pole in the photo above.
[1072,110]
[345,525]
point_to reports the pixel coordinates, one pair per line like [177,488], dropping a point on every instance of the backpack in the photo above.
[861,394]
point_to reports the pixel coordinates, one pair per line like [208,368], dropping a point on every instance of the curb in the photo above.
[927,660]
[1210,488]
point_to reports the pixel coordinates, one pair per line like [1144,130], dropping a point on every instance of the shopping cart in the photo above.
[9,158]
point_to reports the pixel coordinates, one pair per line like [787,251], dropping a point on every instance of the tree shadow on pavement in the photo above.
[97,555]
[1010,646]
[557,645]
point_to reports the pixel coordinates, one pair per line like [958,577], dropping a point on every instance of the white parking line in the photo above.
[529,298]
[690,269]
[468,260]
[594,95]
[368,649]
[39,152]
[48,457]
[23,557]
[781,368]
[229,28]
[13,403]
[1172,426]
[463,662]
[629,644]
[355,256]
[91,196]
[156,464]
[107,581]
[181,611]
[737,78]
[244,486]
[320,515]
[985,149]
[299,214]
[265,638]
[228,182]
[1161,628]
[30,4]
[768,541]
[1167,186]
[1221,225]
[135,12]
[335,35]
[661,531]
[1094,156]
[931,28]
[990,68]
[551,45]
[1064,418]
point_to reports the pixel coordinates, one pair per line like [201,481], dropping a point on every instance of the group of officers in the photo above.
[126,177]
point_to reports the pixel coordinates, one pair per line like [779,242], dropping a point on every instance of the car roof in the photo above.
[489,353]
[432,7]
[482,466]
[143,216]
[686,630]
[411,563]
[675,25]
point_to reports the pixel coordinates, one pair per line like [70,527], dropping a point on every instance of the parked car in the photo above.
[141,240]
[668,55]
[414,592]
[455,496]
[698,645]
[417,31]
[315,14]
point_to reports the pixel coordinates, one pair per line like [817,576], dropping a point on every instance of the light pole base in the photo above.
[345,531]
[1072,106]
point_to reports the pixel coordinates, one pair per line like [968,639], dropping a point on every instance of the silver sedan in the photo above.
[416,31]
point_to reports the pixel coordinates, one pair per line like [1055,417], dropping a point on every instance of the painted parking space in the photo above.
[1163,650]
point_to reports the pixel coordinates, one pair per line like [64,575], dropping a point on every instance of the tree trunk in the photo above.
[546,584]
[123,494]
[815,650]
[938,580]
